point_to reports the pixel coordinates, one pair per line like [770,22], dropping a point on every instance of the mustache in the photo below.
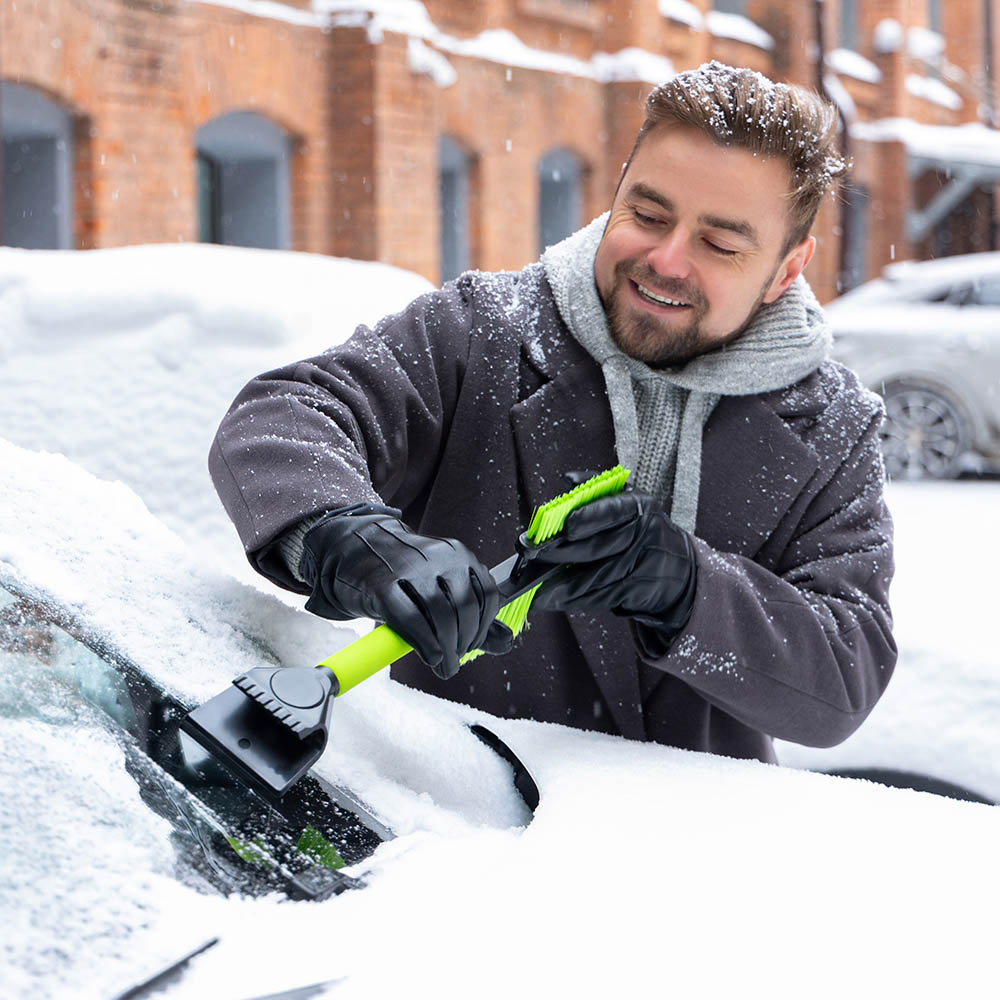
[671,288]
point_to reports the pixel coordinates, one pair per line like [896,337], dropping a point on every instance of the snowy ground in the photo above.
[645,868]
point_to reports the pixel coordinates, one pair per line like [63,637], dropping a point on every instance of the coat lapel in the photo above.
[564,426]
[752,469]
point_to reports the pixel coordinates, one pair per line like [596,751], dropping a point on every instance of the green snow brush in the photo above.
[273,724]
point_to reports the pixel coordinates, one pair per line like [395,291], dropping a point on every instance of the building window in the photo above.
[453,172]
[560,201]
[243,182]
[849,24]
[934,16]
[37,166]
[857,201]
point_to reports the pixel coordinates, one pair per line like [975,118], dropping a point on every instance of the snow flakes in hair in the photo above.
[741,108]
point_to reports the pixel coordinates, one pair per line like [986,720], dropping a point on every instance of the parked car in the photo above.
[926,336]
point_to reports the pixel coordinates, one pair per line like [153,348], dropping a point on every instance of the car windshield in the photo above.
[223,838]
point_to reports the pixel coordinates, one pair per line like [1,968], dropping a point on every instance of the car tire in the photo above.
[924,434]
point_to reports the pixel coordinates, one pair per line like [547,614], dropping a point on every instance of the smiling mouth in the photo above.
[658,300]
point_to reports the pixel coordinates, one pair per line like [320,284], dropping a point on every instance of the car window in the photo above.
[986,292]
[959,295]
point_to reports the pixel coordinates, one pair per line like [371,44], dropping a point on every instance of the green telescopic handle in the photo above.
[380,647]
[368,655]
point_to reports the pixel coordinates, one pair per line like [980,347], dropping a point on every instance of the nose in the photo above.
[669,257]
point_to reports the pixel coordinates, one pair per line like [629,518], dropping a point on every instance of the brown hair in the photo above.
[742,108]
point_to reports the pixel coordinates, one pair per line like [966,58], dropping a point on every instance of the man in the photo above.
[739,591]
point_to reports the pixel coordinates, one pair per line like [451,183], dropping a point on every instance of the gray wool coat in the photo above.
[466,409]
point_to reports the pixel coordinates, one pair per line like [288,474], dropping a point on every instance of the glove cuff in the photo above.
[314,551]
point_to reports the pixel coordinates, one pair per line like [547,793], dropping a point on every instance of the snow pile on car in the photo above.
[125,360]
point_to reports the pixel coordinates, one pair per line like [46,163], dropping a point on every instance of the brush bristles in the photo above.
[546,523]
[514,615]
[550,518]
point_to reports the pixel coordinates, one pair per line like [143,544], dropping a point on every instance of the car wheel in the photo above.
[924,434]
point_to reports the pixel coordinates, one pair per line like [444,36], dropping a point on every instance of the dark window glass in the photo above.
[454,189]
[560,197]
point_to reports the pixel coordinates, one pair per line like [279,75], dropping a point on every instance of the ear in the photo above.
[791,267]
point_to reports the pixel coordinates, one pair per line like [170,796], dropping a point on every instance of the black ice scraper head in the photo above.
[270,727]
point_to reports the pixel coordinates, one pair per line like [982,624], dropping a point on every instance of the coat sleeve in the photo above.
[363,421]
[802,651]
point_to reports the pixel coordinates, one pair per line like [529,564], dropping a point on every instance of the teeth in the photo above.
[659,299]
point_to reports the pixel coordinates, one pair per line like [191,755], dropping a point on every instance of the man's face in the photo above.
[692,246]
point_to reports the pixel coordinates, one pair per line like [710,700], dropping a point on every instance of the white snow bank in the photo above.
[125,360]
[941,713]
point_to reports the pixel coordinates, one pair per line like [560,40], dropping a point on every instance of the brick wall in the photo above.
[141,77]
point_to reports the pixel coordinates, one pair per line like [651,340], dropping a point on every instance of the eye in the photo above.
[721,251]
[643,219]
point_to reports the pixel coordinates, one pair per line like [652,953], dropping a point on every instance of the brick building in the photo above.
[442,135]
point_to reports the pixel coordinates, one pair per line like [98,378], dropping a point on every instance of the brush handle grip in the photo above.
[366,656]
[382,646]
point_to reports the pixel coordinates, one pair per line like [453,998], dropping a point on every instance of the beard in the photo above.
[649,339]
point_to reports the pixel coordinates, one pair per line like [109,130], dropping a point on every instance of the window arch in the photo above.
[456,174]
[243,182]
[560,196]
[37,170]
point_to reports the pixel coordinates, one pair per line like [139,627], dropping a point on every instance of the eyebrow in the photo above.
[739,226]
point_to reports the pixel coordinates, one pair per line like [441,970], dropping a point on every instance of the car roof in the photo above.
[944,268]
[903,279]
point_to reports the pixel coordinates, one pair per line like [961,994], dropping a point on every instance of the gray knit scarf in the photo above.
[659,415]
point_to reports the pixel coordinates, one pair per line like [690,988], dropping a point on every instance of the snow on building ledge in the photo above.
[972,144]
[924,44]
[272,11]
[404,17]
[632,64]
[933,90]
[738,28]
[427,43]
[888,36]
[847,62]
[422,59]
[684,12]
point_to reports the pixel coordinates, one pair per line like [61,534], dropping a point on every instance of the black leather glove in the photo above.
[362,561]
[624,554]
